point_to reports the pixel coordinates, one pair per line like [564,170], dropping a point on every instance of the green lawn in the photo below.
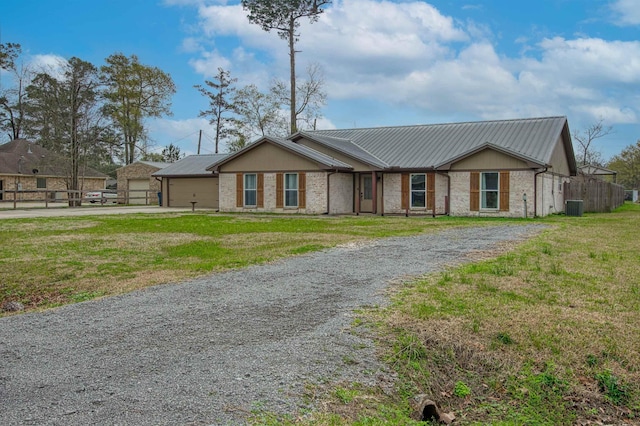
[48,262]
[546,333]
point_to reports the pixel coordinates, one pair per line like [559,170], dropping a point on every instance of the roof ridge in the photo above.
[437,124]
[384,163]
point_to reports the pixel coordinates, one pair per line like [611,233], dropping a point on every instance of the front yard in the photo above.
[546,333]
[48,262]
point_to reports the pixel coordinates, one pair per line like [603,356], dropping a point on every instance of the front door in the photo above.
[366,194]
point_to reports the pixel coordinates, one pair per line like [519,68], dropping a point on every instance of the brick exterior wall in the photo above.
[341,186]
[316,194]
[550,197]
[138,171]
[56,187]
[393,195]
[520,183]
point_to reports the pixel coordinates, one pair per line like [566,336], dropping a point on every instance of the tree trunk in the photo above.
[217,131]
[292,63]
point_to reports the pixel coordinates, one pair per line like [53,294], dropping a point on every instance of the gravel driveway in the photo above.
[209,350]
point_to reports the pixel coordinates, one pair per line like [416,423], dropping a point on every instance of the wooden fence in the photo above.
[51,198]
[597,196]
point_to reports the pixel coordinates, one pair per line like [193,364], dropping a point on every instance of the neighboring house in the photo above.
[590,171]
[188,180]
[27,167]
[489,168]
[136,184]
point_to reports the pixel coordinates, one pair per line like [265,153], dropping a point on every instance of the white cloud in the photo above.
[191,45]
[586,59]
[209,62]
[183,133]
[627,12]
[410,56]
[51,64]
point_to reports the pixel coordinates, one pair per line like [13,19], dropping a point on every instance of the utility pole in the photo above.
[199,141]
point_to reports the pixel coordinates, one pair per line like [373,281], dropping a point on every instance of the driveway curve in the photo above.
[209,351]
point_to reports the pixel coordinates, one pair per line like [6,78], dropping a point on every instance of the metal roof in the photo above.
[344,146]
[21,157]
[590,169]
[427,146]
[192,165]
[325,160]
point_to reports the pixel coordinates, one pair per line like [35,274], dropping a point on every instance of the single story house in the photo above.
[188,180]
[508,168]
[136,184]
[33,171]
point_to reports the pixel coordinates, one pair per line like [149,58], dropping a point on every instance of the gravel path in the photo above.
[209,350]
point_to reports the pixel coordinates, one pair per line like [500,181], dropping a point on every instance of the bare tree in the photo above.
[310,93]
[284,16]
[258,114]
[13,102]
[586,153]
[220,104]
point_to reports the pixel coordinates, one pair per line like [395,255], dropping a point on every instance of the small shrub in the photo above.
[461,390]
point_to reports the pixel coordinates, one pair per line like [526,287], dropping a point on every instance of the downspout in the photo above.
[329,192]
[535,191]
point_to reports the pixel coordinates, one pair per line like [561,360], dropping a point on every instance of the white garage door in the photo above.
[182,191]
[138,192]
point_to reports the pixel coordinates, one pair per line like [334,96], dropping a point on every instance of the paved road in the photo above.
[211,350]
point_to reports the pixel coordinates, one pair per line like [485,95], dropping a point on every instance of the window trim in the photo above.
[484,191]
[245,190]
[412,191]
[290,190]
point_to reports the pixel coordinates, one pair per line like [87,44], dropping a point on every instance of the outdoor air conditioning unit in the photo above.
[574,207]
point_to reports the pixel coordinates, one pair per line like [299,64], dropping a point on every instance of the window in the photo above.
[250,190]
[291,190]
[41,183]
[489,190]
[418,190]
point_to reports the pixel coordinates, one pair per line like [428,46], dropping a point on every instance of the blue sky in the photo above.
[385,62]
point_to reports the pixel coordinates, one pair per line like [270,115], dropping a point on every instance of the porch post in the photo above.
[357,187]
